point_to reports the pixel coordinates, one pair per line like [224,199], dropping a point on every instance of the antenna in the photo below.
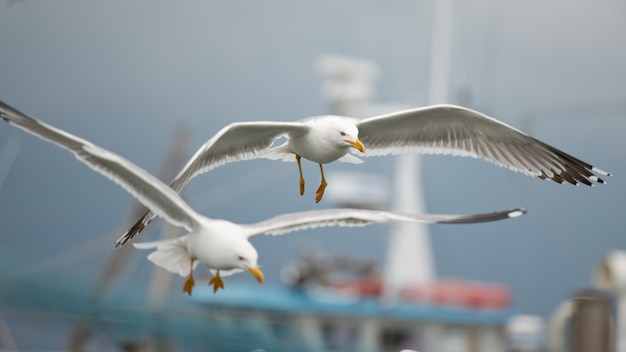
[8,154]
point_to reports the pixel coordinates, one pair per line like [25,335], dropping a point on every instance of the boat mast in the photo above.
[409,255]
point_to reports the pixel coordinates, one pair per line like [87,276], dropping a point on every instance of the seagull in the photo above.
[437,129]
[220,245]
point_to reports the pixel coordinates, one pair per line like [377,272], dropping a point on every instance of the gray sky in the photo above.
[126,74]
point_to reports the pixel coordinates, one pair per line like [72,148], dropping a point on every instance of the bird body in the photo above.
[332,132]
[212,245]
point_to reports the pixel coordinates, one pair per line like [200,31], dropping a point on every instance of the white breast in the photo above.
[320,144]
[213,245]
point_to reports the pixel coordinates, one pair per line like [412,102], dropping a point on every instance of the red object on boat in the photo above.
[469,294]
[459,293]
[362,288]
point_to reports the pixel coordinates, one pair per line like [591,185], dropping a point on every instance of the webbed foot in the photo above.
[216,282]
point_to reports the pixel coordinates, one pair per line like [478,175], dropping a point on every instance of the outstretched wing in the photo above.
[235,142]
[454,130]
[286,223]
[151,192]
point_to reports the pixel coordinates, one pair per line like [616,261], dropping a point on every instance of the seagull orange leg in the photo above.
[189,282]
[320,190]
[298,157]
[216,282]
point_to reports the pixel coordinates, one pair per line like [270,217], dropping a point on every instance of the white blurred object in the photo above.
[349,87]
[583,323]
[358,189]
[557,325]
[409,254]
[525,333]
[348,80]
[611,273]
[441,52]
[610,276]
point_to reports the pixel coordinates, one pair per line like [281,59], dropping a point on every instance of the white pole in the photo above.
[621,323]
[441,52]
[409,255]
[610,276]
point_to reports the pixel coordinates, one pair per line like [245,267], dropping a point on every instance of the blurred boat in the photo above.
[346,314]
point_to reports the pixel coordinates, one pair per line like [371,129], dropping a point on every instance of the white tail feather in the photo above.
[281,153]
[224,273]
[349,158]
[170,255]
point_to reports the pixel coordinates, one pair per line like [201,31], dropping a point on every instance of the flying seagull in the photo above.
[220,245]
[438,129]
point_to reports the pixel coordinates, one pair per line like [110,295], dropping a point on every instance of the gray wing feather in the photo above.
[454,130]
[286,223]
[146,188]
[235,142]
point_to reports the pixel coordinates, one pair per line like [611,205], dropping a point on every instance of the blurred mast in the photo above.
[409,255]
[8,154]
[7,342]
[349,87]
[173,162]
[119,257]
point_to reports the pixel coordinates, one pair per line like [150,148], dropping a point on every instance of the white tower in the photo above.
[409,255]
[349,88]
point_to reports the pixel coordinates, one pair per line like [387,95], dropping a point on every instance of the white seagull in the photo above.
[221,245]
[438,129]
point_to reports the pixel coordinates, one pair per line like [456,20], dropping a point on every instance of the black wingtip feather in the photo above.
[128,235]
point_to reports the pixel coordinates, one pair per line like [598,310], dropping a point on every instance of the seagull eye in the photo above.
[342,133]
[240,258]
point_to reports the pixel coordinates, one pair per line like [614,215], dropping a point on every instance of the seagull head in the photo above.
[346,133]
[246,258]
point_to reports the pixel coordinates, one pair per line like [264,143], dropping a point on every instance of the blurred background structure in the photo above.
[127,75]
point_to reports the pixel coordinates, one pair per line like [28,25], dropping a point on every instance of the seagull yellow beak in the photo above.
[256,272]
[358,145]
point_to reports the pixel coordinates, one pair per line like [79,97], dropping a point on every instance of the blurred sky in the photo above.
[126,75]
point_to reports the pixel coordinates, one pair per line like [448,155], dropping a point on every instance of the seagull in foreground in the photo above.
[438,129]
[221,245]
